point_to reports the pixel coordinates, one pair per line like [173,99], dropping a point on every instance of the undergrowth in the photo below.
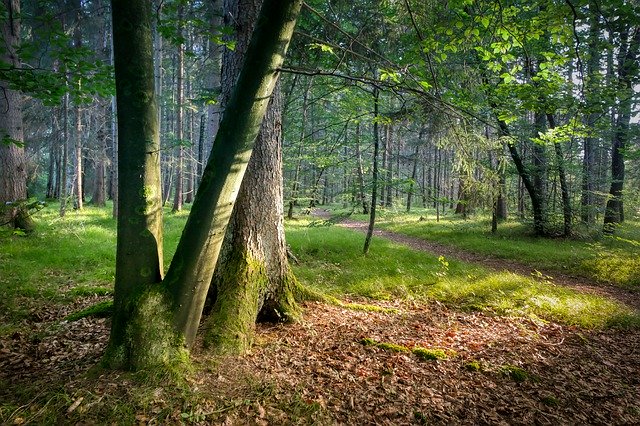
[331,261]
[609,259]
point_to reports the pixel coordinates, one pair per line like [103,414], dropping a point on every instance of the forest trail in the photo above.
[582,284]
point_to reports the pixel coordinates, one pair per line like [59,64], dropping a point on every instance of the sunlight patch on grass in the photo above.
[331,262]
[607,259]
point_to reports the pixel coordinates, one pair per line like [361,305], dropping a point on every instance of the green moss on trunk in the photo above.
[149,341]
[242,298]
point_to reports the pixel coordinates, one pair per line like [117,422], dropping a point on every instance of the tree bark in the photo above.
[360,171]
[178,194]
[627,65]
[374,183]
[192,267]
[252,279]
[588,206]
[141,330]
[564,185]
[13,164]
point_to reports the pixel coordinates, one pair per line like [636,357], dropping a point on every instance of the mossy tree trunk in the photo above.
[192,267]
[13,168]
[252,277]
[141,328]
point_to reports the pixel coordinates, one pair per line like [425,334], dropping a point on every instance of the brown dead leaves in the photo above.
[317,371]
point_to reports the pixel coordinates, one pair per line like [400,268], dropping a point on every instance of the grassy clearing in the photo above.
[604,258]
[331,261]
[65,258]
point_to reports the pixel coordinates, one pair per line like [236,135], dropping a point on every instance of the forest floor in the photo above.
[628,297]
[341,366]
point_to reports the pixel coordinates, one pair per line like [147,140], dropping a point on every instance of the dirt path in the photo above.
[629,298]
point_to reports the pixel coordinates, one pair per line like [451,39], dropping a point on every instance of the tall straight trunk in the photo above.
[140,329]
[295,185]
[564,185]
[201,143]
[588,205]
[390,163]
[64,190]
[374,177]
[397,169]
[361,195]
[178,194]
[114,154]
[99,191]
[437,184]
[501,201]
[385,166]
[13,166]
[79,171]
[192,267]
[627,71]
[53,158]
[414,172]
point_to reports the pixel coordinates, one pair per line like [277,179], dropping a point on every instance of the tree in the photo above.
[154,320]
[252,276]
[139,246]
[13,167]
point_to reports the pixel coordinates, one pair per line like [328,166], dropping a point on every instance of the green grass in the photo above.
[331,261]
[606,259]
[65,258]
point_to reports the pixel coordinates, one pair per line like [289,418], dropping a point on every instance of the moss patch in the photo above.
[424,354]
[429,354]
[150,343]
[516,374]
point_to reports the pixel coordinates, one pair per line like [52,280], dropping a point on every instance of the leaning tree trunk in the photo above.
[252,279]
[13,169]
[192,267]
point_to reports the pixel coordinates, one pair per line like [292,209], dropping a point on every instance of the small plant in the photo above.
[515,373]
[421,353]
[444,267]
[550,401]
[473,366]
[420,418]
[429,354]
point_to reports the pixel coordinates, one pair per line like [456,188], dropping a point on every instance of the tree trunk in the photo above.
[141,329]
[627,66]
[13,168]
[178,194]
[374,183]
[295,186]
[99,191]
[414,172]
[64,190]
[79,171]
[588,206]
[564,186]
[361,194]
[214,14]
[389,179]
[192,267]
[252,279]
